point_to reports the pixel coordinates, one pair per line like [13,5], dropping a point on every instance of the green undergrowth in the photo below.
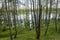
[52,34]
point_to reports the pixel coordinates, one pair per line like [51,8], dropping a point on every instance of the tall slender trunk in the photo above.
[1,19]
[38,21]
[14,20]
[9,20]
[49,17]
[46,24]
[56,15]
[32,16]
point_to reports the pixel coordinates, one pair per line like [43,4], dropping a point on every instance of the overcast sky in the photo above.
[25,2]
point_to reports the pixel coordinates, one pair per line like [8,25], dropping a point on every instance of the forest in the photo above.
[29,20]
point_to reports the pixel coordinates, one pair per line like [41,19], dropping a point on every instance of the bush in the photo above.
[21,30]
[6,34]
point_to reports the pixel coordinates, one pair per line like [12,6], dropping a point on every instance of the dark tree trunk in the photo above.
[8,17]
[9,21]
[56,15]
[38,21]
[46,24]
[49,17]
[14,20]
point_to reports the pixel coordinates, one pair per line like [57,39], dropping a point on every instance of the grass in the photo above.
[52,34]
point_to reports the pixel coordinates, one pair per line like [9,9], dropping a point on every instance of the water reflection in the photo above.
[21,17]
